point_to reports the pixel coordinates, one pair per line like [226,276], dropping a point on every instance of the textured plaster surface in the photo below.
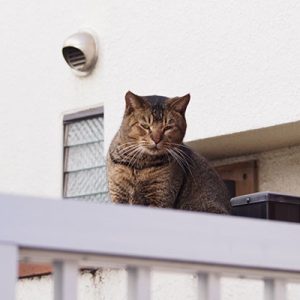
[107,284]
[111,285]
[293,291]
[239,60]
[278,170]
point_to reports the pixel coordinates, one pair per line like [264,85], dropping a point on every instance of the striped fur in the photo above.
[149,165]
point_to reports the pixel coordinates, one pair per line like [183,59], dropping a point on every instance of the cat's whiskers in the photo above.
[177,148]
[187,160]
[177,158]
[131,153]
[127,150]
[136,154]
[125,145]
[140,154]
[183,160]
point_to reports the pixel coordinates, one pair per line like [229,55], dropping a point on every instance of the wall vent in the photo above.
[80,52]
[74,57]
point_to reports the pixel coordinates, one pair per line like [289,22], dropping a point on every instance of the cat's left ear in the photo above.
[180,104]
[133,102]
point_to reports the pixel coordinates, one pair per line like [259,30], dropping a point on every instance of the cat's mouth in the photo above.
[155,149]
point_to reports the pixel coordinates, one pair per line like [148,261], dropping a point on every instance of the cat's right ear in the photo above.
[179,104]
[133,102]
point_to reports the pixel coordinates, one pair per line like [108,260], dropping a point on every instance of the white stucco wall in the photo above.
[239,60]
[165,286]
[278,170]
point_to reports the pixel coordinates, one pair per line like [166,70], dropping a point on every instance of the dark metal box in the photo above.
[267,205]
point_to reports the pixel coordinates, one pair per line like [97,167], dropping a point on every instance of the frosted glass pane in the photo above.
[85,182]
[84,156]
[84,161]
[85,131]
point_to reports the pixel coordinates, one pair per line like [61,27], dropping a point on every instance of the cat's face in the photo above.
[154,123]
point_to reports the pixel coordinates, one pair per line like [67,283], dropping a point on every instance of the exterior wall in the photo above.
[165,286]
[239,60]
[92,286]
[278,170]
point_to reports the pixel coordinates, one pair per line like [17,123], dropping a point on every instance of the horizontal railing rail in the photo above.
[72,234]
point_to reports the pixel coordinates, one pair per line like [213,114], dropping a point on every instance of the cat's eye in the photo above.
[168,127]
[170,122]
[145,126]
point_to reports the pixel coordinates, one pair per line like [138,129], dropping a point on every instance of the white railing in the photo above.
[72,234]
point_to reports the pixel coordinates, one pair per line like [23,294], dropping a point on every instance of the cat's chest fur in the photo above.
[149,186]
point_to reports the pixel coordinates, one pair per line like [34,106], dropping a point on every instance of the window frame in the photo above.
[76,117]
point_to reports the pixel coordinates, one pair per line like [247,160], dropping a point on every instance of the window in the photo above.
[84,159]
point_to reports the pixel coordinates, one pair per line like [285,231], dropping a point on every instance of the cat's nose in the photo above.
[156,137]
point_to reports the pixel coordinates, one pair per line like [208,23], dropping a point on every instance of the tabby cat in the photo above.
[149,165]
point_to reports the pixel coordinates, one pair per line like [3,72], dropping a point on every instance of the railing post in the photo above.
[208,286]
[65,280]
[8,271]
[139,283]
[275,289]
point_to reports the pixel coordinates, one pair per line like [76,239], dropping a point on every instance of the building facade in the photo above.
[238,60]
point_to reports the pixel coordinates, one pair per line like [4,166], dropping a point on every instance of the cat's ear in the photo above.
[133,102]
[180,104]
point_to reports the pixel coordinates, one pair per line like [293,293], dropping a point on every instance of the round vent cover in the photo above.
[80,52]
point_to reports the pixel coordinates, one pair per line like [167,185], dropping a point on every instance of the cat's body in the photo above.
[149,165]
